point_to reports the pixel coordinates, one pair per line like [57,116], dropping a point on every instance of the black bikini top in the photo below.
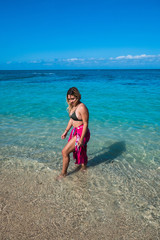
[74,117]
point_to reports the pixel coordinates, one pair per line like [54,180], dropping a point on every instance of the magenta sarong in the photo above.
[80,153]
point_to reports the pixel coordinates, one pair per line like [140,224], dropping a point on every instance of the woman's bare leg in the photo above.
[83,167]
[70,147]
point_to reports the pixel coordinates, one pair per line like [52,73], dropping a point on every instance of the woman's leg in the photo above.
[70,147]
[83,167]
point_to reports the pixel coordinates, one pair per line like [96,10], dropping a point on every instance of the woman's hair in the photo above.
[74,92]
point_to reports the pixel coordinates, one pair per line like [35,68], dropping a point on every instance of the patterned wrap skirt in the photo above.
[80,153]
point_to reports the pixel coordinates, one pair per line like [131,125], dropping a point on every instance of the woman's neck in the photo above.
[77,104]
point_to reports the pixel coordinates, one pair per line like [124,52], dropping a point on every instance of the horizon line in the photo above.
[79,69]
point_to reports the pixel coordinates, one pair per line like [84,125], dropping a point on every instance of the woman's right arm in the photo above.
[67,129]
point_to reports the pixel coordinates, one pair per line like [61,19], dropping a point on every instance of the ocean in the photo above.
[119,195]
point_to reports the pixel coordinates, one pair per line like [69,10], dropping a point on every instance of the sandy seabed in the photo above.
[33,205]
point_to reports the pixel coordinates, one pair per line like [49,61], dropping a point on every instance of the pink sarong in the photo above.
[80,153]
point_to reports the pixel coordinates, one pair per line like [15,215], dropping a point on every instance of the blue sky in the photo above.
[79,34]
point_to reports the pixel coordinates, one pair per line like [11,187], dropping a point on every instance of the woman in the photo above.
[77,142]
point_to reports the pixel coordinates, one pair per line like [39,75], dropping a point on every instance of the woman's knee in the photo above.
[64,152]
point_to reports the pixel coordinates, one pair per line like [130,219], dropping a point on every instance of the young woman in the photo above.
[80,135]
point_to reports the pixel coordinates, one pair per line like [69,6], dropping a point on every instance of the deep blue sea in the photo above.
[124,149]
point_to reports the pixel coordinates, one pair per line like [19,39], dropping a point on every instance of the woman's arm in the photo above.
[85,117]
[67,129]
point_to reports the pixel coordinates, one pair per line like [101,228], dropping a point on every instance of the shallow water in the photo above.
[119,195]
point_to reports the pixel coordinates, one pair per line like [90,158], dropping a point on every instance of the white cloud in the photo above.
[35,61]
[131,57]
[73,59]
[75,62]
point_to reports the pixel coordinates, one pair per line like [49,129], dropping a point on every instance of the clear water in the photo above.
[124,153]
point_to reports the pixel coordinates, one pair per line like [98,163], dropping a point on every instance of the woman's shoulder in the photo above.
[82,107]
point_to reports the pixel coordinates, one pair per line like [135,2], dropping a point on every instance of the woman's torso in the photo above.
[75,115]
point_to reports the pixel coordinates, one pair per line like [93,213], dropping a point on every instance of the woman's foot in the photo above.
[62,175]
[83,167]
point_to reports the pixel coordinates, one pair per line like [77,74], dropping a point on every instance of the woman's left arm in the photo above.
[85,117]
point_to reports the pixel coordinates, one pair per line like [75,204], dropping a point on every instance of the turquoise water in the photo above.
[124,152]
[123,106]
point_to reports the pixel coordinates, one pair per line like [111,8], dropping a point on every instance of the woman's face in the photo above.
[72,100]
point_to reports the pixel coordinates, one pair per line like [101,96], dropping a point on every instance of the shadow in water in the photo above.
[113,151]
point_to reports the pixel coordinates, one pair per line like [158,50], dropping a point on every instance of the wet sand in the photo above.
[35,206]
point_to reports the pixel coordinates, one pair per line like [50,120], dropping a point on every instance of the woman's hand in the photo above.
[64,135]
[80,143]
